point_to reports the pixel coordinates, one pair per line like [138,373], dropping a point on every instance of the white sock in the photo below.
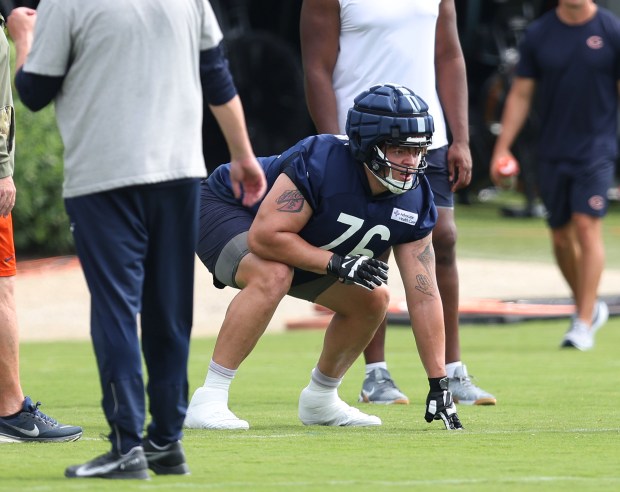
[323,384]
[451,367]
[375,365]
[217,382]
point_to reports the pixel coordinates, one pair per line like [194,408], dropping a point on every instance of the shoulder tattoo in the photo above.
[290,201]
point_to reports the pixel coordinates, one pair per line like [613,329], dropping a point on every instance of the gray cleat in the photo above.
[379,388]
[467,393]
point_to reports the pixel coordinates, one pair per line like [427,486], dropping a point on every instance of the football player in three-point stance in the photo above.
[334,204]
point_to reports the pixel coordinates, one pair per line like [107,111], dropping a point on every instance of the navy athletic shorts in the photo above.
[222,244]
[567,187]
[438,178]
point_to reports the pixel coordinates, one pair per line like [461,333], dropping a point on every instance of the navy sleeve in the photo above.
[526,66]
[300,166]
[36,91]
[217,83]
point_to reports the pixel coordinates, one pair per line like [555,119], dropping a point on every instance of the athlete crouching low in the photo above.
[334,204]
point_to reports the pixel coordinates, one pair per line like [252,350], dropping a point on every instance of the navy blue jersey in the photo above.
[347,219]
[577,68]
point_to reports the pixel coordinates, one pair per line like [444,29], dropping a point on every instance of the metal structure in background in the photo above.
[491,48]
[7,5]
[262,42]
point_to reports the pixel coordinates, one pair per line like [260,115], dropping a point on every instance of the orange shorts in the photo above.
[8,265]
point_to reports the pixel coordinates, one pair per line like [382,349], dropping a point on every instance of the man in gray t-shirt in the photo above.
[127,79]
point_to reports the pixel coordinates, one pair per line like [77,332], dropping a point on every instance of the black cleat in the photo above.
[165,460]
[132,465]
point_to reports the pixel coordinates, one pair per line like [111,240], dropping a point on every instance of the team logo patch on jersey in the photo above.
[596,202]
[404,216]
[595,42]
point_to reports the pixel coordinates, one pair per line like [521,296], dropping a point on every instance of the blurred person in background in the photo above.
[570,62]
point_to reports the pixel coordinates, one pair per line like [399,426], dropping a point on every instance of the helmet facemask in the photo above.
[398,178]
[390,114]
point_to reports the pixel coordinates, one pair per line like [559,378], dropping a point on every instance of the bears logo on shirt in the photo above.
[595,42]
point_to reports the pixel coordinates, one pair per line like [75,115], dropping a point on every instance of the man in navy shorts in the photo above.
[334,205]
[571,55]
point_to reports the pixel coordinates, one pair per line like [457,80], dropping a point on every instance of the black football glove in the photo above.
[360,270]
[439,406]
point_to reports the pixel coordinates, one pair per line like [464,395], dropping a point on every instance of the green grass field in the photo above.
[555,426]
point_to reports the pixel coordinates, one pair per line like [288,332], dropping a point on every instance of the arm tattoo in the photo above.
[425,284]
[290,201]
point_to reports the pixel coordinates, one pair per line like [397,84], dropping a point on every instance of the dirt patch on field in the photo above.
[53,301]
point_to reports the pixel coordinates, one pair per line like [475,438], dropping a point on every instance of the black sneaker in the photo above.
[113,465]
[32,425]
[166,460]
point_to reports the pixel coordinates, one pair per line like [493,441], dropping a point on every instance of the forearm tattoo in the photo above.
[425,282]
[290,201]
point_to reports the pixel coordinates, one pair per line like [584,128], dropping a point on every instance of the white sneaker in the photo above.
[204,414]
[601,315]
[320,409]
[579,336]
